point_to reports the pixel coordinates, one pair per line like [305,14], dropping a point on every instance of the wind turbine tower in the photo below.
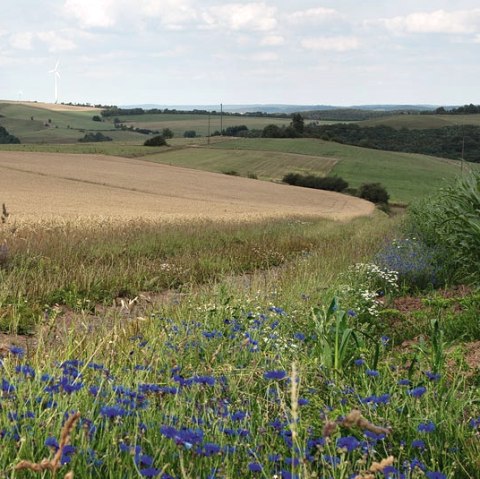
[56,76]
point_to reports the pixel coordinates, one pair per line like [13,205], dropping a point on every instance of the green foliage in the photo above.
[167,133]
[190,134]
[329,183]
[96,118]
[374,192]
[94,138]
[451,222]
[298,124]
[158,140]
[6,137]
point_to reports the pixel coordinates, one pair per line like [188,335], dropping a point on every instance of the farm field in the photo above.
[266,165]
[406,176]
[37,185]
[423,121]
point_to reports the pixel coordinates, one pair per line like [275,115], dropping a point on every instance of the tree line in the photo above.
[6,137]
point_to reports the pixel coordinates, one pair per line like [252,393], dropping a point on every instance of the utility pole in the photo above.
[208,138]
[221,119]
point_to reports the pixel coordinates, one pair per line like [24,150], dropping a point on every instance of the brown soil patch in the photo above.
[48,185]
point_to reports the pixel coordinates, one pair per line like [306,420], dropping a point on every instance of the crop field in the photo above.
[265,165]
[406,176]
[45,184]
[423,121]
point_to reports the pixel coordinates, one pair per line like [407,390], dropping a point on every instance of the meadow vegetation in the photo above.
[294,348]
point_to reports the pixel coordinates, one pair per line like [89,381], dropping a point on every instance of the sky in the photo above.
[207,52]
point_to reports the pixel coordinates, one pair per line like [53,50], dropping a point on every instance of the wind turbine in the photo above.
[56,76]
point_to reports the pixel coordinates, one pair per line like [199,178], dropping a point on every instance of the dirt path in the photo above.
[38,185]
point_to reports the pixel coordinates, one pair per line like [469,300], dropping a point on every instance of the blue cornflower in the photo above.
[349,443]
[299,336]
[302,401]
[435,475]
[418,444]
[474,423]
[426,427]
[384,340]
[391,472]
[351,313]
[359,362]
[404,382]
[255,467]
[51,442]
[112,411]
[417,392]
[275,374]
[238,416]
[26,370]
[432,376]
[17,351]
[150,472]
[372,372]
[6,387]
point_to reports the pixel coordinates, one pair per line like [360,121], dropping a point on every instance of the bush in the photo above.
[190,134]
[374,192]
[94,137]
[96,118]
[6,137]
[167,133]
[158,140]
[329,183]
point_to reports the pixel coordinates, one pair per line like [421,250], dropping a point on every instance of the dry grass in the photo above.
[46,185]
[55,106]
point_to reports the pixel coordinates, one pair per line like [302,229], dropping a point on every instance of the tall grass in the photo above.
[450,222]
[81,264]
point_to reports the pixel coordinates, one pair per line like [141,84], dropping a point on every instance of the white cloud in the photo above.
[237,16]
[439,21]
[22,41]
[264,57]
[93,13]
[336,44]
[56,42]
[272,41]
[314,15]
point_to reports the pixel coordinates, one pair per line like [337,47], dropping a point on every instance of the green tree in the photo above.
[156,141]
[167,133]
[298,124]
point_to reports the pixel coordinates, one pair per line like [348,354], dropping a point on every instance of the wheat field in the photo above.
[46,185]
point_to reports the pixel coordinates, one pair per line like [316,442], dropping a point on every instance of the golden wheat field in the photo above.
[45,185]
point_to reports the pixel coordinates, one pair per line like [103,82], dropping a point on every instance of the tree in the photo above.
[298,123]
[273,131]
[190,134]
[167,133]
[374,192]
[96,118]
[156,141]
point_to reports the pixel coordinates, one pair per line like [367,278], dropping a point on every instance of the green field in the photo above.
[266,165]
[406,176]
[423,121]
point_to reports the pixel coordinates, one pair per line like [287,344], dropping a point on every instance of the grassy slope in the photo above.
[423,121]
[265,164]
[406,176]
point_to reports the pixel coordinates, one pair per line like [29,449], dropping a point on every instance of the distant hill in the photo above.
[281,108]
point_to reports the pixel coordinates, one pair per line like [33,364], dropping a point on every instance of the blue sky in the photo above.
[174,52]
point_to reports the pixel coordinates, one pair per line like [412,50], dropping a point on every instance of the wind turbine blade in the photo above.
[57,64]
[57,74]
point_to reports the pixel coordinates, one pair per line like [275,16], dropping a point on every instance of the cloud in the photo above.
[264,57]
[439,21]
[55,41]
[272,41]
[22,41]
[94,13]
[335,44]
[237,16]
[314,15]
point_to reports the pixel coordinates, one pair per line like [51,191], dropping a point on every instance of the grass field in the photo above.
[266,165]
[423,121]
[406,176]
[68,124]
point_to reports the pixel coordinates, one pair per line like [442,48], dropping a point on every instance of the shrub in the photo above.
[94,137]
[374,192]
[190,134]
[96,118]
[6,137]
[167,133]
[330,183]
[158,140]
